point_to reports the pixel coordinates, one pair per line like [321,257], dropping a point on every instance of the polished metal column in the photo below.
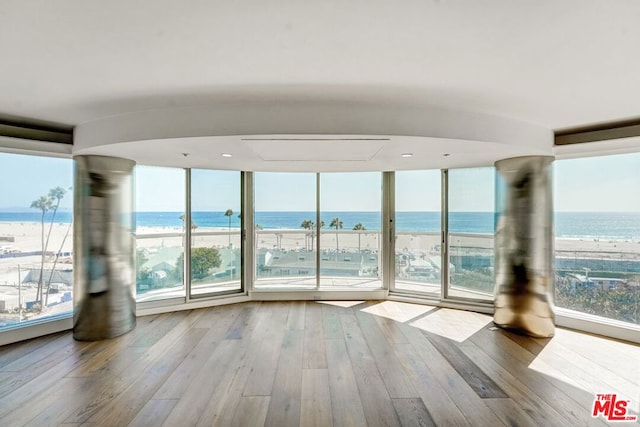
[104,273]
[524,246]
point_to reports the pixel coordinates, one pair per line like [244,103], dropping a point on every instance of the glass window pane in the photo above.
[215,236]
[36,238]
[418,231]
[285,235]
[159,201]
[471,229]
[350,212]
[597,228]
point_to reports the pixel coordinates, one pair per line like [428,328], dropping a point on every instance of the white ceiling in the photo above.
[552,64]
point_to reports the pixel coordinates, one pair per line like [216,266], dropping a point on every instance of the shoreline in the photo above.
[26,237]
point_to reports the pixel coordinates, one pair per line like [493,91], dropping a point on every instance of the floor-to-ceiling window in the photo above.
[160,232]
[36,238]
[216,247]
[471,222]
[285,230]
[418,218]
[597,217]
[350,219]
[290,217]
[597,229]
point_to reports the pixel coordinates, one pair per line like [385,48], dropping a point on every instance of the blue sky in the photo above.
[597,184]
[26,178]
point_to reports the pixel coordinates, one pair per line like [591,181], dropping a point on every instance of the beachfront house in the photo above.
[302,263]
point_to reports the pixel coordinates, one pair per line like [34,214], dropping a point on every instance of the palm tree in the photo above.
[55,194]
[55,262]
[44,203]
[307,224]
[229,214]
[359,227]
[193,223]
[335,222]
[184,227]
[322,224]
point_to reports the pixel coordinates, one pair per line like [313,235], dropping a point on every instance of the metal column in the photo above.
[104,271]
[524,246]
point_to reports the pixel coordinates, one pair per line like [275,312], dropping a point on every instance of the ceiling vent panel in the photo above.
[315,149]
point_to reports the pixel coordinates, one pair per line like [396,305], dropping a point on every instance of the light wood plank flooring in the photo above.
[315,364]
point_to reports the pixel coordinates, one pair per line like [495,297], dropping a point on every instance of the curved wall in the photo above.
[156,136]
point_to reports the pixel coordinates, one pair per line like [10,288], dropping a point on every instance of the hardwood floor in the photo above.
[315,364]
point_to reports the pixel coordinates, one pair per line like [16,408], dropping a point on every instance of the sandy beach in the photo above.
[25,237]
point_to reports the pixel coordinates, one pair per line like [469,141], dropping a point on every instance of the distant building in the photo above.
[64,277]
[303,263]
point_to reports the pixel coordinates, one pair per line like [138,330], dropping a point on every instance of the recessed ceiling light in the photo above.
[407,155]
[226,155]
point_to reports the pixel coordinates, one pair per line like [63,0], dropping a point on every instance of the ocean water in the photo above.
[62,216]
[578,225]
[470,222]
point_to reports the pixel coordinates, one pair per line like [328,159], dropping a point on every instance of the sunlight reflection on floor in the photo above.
[344,304]
[398,311]
[593,364]
[456,325]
